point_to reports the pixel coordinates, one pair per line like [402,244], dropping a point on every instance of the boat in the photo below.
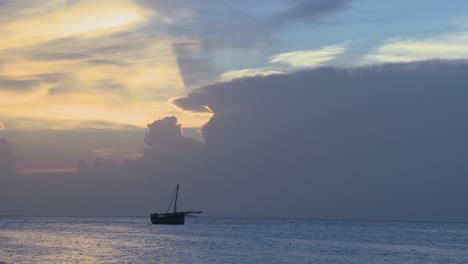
[174,218]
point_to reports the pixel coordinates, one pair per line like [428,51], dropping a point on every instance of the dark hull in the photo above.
[168,219]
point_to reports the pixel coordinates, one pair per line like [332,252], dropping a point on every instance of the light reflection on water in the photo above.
[209,240]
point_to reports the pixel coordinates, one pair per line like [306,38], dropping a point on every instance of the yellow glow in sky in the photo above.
[101,17]
[12,96]
[94,76]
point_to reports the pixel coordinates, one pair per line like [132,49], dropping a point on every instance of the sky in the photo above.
[277,108]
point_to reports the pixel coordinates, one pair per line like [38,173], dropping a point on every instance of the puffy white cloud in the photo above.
[449,46]
[244,73]
[309,58]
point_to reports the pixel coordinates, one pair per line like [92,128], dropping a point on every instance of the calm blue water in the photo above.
[215,240]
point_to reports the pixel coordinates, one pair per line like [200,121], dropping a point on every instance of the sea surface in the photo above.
[228,240]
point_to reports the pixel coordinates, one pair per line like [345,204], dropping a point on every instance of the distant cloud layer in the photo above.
[447,46]
[310,10]
[378,142]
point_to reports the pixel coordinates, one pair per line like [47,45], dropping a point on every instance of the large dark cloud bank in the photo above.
[376,142]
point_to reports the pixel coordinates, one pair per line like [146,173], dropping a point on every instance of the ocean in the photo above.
[228,240]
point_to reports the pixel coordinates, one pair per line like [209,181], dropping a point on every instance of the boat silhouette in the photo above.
[174,218]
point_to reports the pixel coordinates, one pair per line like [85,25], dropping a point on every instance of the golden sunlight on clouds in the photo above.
[135,113]
[309,58]
[23,67]
[97,78]
[88,19]
[236,74]
[13,96]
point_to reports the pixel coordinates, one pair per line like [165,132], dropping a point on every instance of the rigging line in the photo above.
[172,200]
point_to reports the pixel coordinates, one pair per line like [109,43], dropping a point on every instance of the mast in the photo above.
[177,194]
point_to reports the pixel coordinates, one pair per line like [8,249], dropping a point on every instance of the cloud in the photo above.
[54,148]
[289,61]
[99,183]
[156,52]
[17,91]
[165,135]
[450,46]
[311,11]
[376,142]
[2,126]
[236,74]
[52,56]
[309,58]
[65,68]
[15,85]
[381,142]
[227,34]
[82,18]
[64,77]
